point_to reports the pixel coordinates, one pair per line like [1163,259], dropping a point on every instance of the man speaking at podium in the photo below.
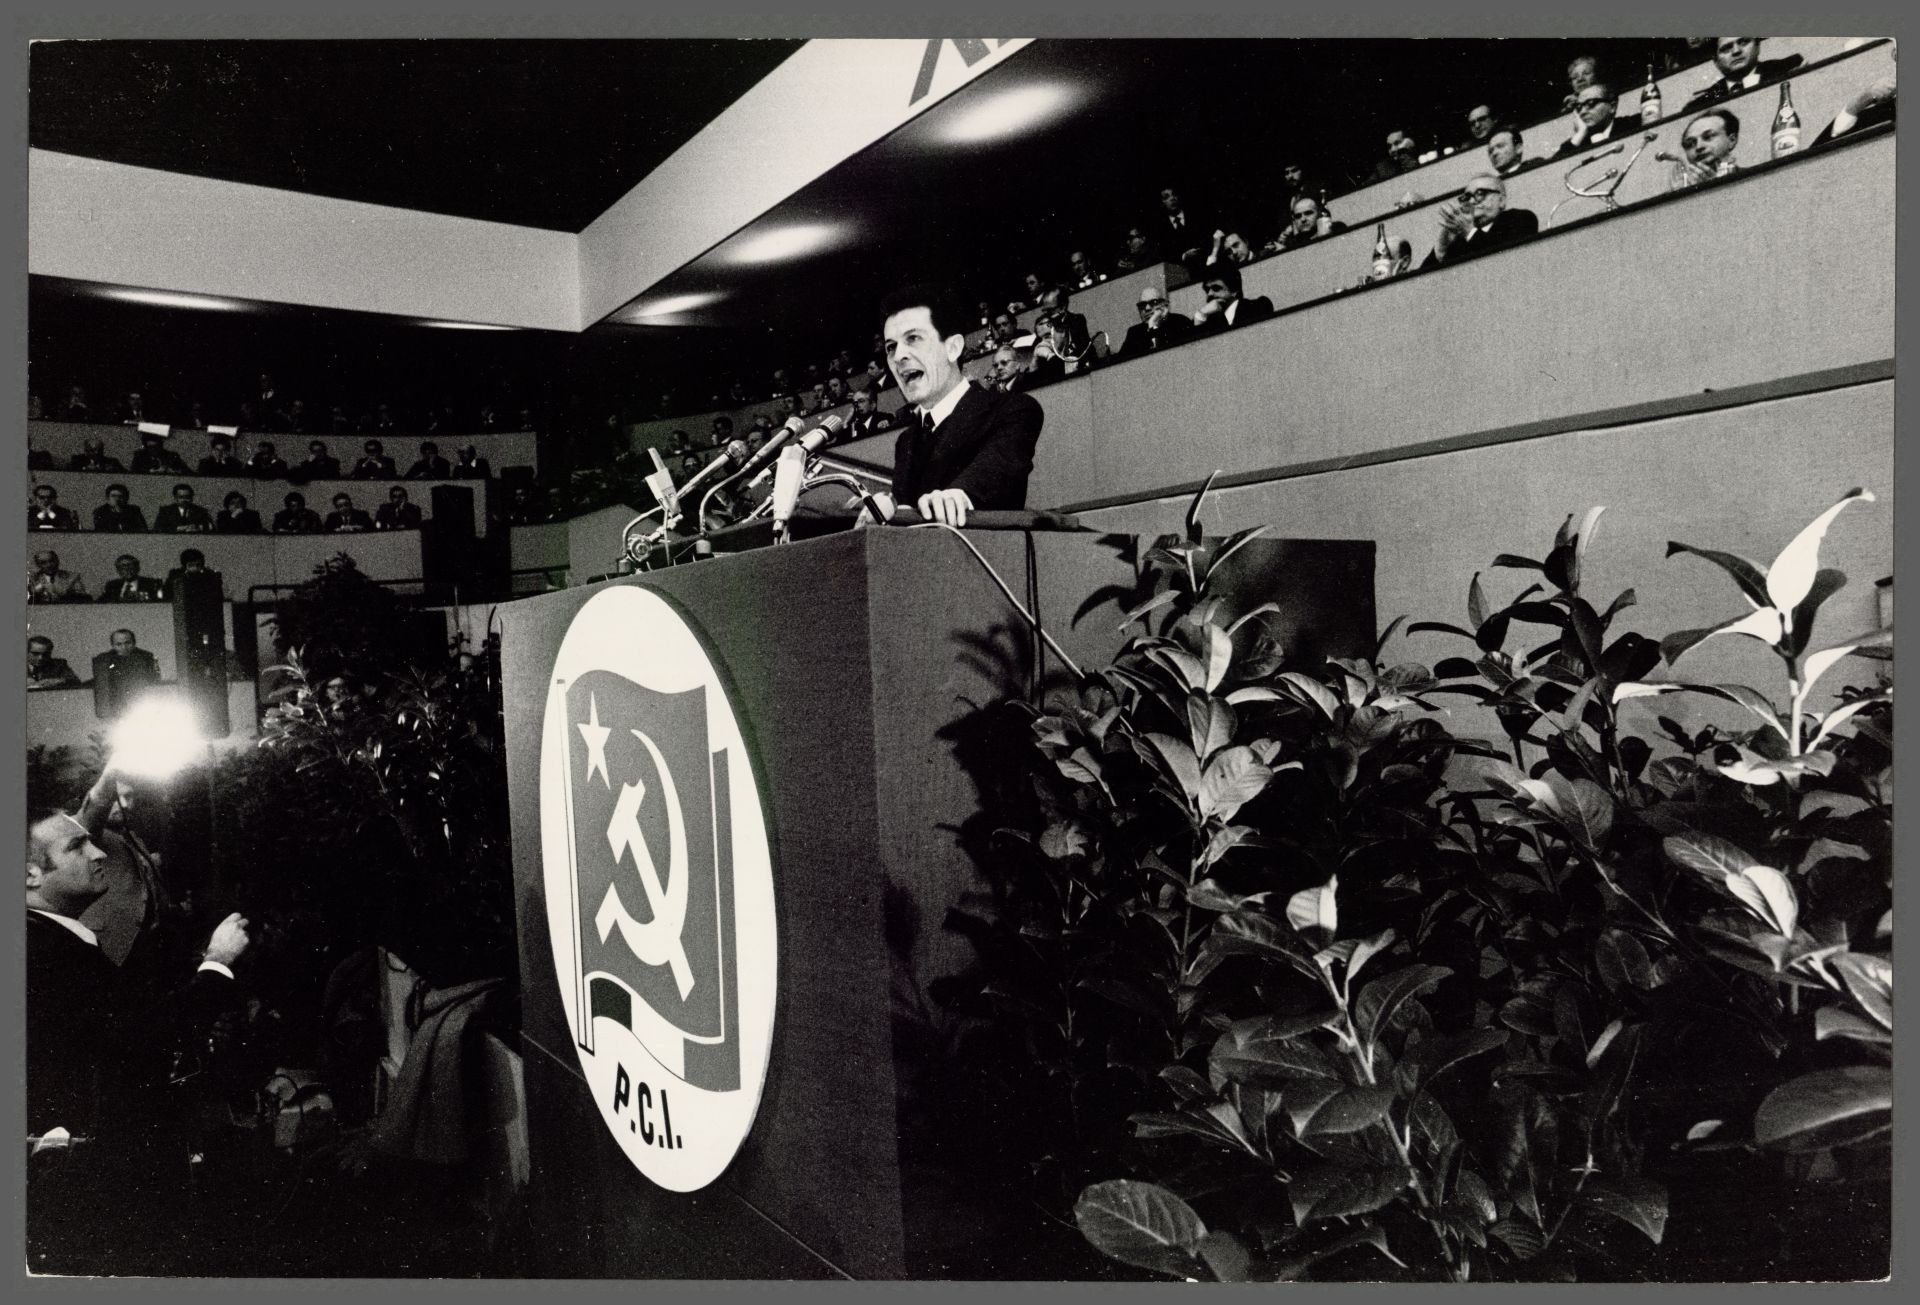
[963,448]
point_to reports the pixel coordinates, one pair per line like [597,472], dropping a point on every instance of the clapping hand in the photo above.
[229,940]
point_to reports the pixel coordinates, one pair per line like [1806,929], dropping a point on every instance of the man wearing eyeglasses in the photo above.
[1158,327]
[1595,124]
[1477,221]
[1741,69]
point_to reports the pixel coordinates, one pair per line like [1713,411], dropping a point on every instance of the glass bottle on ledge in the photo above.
[1786,124]
[1323,224]
[1382,254]
[1650,100]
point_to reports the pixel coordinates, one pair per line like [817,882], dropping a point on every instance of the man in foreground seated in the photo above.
[45,512]
[117,516]
[296,518]
[1707,143]
[1226,305]
[47,583]
[94,457]
[1158,327]
[44,670]
[963,449]
[128,585]
[183,516]
[397,513]
[345,517]
[1741,69]
[1478,222]
[1503,151]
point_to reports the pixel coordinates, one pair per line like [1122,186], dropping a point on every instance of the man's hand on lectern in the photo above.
[946,505]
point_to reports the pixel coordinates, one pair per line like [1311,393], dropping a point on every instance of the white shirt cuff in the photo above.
[216,967]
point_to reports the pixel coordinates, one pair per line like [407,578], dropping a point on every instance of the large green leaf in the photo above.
[1748,575]
[1793,570]
[1180,763]
[1269,1059]
[1344,1188]
[1640,1202]
[1316,908]
[1385,995]
[1210,722]
[1708,855]
[1764,624]
[1142,1224]
[1586,810]
[1829,1107]
[1826,583]
[1350,1110]
[1870,979]
[1305,686]
[1232,779]
[1434,1054]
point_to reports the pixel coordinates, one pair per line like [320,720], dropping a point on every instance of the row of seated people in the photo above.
[50,582]
[1197,241]
[125,666]
[157,456]
[183,516]
[269,409]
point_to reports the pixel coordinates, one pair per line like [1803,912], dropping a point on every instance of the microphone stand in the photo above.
[1608,182]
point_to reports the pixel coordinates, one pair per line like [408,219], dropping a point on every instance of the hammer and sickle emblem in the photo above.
[657,941]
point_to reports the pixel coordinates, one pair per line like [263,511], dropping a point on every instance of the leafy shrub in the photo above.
[1379,1001]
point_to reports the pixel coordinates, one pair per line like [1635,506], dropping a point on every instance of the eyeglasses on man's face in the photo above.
[1478,194]
[1148,305]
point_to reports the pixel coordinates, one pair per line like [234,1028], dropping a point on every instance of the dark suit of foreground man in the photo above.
[962,449]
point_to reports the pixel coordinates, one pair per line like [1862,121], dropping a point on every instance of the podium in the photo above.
[852,663]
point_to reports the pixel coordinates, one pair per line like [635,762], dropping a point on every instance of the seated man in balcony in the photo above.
[1707,144]
[867,419]
[296,518]
[265,464]
[1136,251]
[1503,151]
[220,460]
[1229,247]
[155,458]
[128,585]
[1594,108]
[471,465]
[397,513]
[1074,339]
[345,517]
[192,562]
[1868,108]
[1478,221]
[1480,125]
[116,515]
[375,464]
[430,465]
[44,670]
[1303,225]
[1084,275]
[45,512]
[1582,72]
[235,517]
[1741,69]
[319,464]
[1158,327]
[94,457]
[121,674]
[183,515]
[47,583]
[1403,156]
[1227,306]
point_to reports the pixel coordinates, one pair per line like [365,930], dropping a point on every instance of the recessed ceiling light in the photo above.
[673,304]
[467,326]
[1006,113]
[171,299]
[782,243]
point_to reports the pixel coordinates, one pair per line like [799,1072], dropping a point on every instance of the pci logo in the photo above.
[659,886]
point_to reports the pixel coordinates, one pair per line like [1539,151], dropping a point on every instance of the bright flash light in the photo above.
[158,737]
[674,304]
[1007,113]
[783,243]
[171,299]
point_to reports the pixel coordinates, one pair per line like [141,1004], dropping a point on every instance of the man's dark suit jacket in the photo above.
[228,466]
[140,589]
[435,468]
[985,447]
[327,468]
[858,428]
[1510,228]
[1174,327]
[405,516]
[153,461]
[88,462]
[116,679]
[475,470]
[53,518]
[351,519]
[1623,129]
[176,517]
[119,520]
[1771,70]
[244,522]
[1255,309]
[296,521]
[266,468]
[380,468]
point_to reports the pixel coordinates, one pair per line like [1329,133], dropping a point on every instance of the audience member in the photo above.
[1009,368]
[44,670]
[192,562]
[1869,108]
[121,674]
[1084,275]
[128,585]
[117,514]
[1229,247]
[471,465]
[383,418]
[1047,362]
[1226,305]
[836,395]
[1478,221]
[265,464]
[1303,226]
[319,464]
[76,408]
[221,462]
[1479,126]
[296,518]
[1581,73]
[430,465]
[1403,156]
[94,457]
[1158,327]
[45,512]
[1137,252]
[196,416]
[183,515]
[294,418]
[1707,143]
[866,419]
[723,429]
[154,457]
[1400,263]
[133,409]
[375,464]
[235,517]
[1741,69]
[345,517]
[47,583]
[1075,339]
[1186,235]
[1594,121]
[397,513]
[1503,151]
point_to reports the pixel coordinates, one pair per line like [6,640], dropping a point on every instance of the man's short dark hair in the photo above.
[723,421]
[1725,116]
[122,488]
[942,305]
[1227,273]
[182,485]
[1511,130]
[192,555]
[126,557]
[117,633]
[41,640]
[296,500]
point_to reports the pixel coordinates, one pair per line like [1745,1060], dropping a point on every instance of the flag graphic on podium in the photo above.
[651,843]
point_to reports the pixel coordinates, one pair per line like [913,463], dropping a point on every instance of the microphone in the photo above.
[790,473]
[735,453]
[816,439]
[1603,154]
[771,449]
